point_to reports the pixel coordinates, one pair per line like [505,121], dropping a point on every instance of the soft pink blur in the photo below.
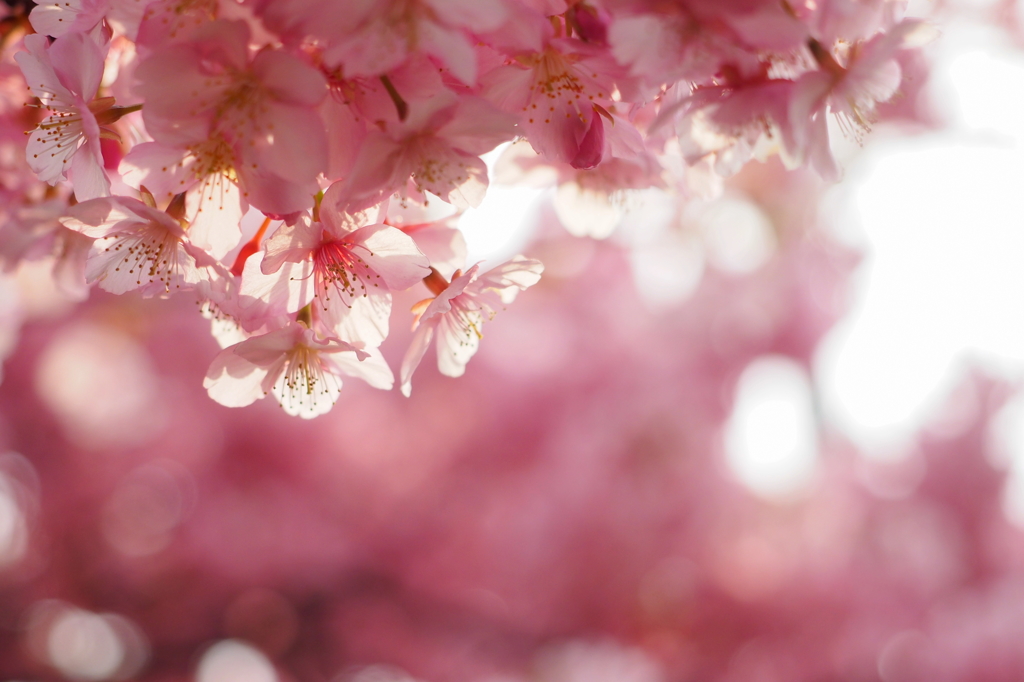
[560,512]
[564,512]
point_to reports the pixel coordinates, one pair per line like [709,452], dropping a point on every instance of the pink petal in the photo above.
[392,254]
[456,345]
[452,48]
[414,355]
[291,244]
[164,170]
[86,174]
[265,350]
[295,148]
[78,63]
[364,319]
[216,208]
[373,368]
[39,74]
[233,381]
[289,79]
[288,290]
[591,146]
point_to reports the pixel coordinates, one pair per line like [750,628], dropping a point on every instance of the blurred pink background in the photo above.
[774,440]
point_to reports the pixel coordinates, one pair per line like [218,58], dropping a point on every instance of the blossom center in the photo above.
[337,266]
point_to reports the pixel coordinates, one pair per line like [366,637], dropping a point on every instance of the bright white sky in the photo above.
[941,218]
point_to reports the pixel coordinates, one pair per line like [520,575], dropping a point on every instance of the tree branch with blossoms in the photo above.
[333,126]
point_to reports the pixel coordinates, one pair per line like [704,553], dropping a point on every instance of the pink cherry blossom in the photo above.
[435,150]
[249,109]
[302,371]
[458,311]
[348,264]
[730,124]
[135,247]
[395,28]
[869,75]
[58,17]
[559,95]
[568,511]
[674,43]
[252,120]
[372,38]
[65,76]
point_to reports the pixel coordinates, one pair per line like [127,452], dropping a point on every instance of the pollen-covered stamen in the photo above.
[181,15]
[243,105]
[62,133]
[304,381]
[58,137]
[435,171]
[339,268]
[211,163]
[854,125]
[559,88]
[151,254]
[465,321]
[213,156]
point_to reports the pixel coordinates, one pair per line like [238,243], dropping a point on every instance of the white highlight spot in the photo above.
[943,282]
[83,646]
[497,229]
[13,535]
[737,234]
[990,90]
[587,213]
[770,438]
[100,383]
[233,661]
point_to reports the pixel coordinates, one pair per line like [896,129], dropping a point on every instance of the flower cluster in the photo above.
[276,158]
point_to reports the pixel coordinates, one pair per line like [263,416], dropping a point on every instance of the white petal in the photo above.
[373,369]
[417,348]
[233,381]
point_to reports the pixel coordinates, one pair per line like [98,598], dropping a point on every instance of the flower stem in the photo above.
[250,247]
[400,105]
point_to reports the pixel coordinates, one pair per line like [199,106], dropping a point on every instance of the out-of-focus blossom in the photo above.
[579,506]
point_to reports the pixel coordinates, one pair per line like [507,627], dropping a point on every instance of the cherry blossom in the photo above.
[301,370]
[301,161]
[59,17]
[457,311]
[290,170]
[135,247]
[234,121]
[65,76]
[871,75]
[559,95]
[348,264]
[435,150]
